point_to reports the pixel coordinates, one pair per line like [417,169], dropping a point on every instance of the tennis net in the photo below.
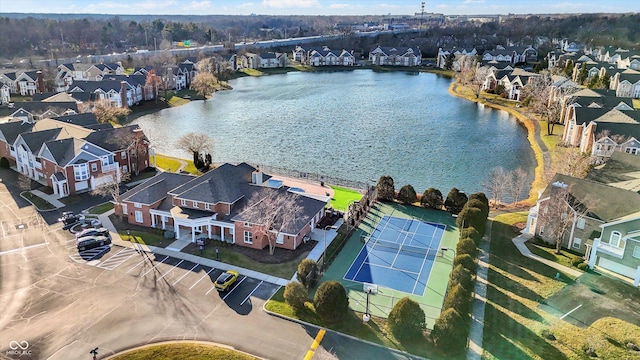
[407,249]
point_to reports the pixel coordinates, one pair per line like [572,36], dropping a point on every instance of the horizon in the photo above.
[314,7]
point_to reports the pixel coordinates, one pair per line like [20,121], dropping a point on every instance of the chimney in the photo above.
[123,93]
[40,81]
[256,177]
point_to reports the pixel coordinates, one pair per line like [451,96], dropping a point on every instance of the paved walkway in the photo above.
[524,250]
[51,199]
[476,331]
[321,235]
[171,250]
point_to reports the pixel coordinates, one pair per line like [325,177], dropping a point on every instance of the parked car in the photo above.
[93,232]
[90,242]
[69,219]
[226,279]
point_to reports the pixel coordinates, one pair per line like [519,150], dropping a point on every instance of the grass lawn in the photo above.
[375,330]
[146,238]
[252,72]
[169,163]
[549,252]
[227,255]
[38,202]
[342,197]
[513,322]
[101,209]
[177,101]
[192,351]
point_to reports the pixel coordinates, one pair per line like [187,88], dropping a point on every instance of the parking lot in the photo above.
[186,277]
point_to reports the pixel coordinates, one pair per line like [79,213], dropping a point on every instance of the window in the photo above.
[280,239]
[105,160]
[137,205]
[81,172]
[195,204]
[207,206]
[183,202]
[541,231]
[124,209]
[248,237]
[576,243]
[123,154]
[581,223]
[138,216]
[94,167]
[125,169]
[247,224]
[636,252]
[615,238]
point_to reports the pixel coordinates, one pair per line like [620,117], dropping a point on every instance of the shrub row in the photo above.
[452,326]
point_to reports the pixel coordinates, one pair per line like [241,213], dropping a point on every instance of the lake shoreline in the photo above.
[538,180]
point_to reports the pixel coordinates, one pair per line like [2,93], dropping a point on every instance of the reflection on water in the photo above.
[357,125]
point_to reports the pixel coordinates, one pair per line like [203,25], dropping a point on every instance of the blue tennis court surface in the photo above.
[398,254]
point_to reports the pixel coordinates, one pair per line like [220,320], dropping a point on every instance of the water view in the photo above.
[356,125]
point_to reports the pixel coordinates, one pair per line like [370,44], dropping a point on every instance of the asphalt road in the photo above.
[60,304]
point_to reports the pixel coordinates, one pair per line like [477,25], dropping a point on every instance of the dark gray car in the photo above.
[90,242]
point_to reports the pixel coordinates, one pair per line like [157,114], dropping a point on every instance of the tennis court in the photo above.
[398,254]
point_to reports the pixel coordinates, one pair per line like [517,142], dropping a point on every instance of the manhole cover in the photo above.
[21,226]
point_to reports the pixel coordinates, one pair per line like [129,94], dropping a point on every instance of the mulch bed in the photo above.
[279,255]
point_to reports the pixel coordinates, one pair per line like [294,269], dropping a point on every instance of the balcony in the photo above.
[110,167]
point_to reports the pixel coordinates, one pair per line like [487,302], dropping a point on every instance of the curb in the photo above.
[163,342]
[302,322]
[35,206]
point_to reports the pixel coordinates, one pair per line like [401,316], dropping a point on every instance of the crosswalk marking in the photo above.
[118,259]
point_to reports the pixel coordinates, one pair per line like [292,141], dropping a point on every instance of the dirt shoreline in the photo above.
[538,179]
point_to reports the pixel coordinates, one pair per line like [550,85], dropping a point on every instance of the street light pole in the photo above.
[446,248]
[324,253]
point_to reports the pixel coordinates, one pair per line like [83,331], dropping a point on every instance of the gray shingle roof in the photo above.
[225,184]
[63,151]
[156,188]
[34,140]
[11,130]
[603,201]
[111,138]
[85,119]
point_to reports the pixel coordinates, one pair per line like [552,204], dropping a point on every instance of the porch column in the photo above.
[164,222]
[209,230]
[153,220]
[636,281]
[594,251]
[176,229]
[193,234]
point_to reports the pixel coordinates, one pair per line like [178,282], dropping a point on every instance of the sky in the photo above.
[317,7]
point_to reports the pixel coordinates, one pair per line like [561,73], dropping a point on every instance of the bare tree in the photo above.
[272,212]
[519,181]
[155,82]
[111,188]
[570,161]
[195,143]
[105,114]
[545,100]
[204,83]
[472,75]
[557,214]
[497,183]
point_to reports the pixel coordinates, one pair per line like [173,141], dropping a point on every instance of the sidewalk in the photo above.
[519,243]
[169,251]
[51,199]
[476,330]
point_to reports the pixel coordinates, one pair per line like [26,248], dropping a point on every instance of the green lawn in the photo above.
[177,101]
[101,209]
[145,238]
[549,252]
[374,331]
[227,255]
[38,202]
[513,322]
[191,351]
[169,163]
[342,197]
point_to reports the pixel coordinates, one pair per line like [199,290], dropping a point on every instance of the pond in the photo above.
[355,125]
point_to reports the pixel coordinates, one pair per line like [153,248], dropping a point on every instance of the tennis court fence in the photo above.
[380,304]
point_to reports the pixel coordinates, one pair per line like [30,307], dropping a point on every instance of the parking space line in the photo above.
[251,293]
[22,248]
[208,272]
[185,274]
[138,264]
[156,265]
[567,314]
[213,287]
[235,287]
[170,270]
